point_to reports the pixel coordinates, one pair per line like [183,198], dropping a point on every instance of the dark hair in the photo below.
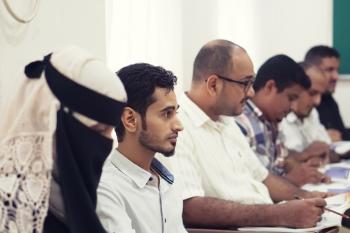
[317,53]
[305,65]
[140,81]
[213,58]
[284,71]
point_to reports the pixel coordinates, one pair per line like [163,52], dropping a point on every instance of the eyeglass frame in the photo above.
[247,84]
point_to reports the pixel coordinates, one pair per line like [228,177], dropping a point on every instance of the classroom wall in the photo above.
[293,26]
[58,23]
[263,28]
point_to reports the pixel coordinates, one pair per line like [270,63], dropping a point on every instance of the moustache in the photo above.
[173,136]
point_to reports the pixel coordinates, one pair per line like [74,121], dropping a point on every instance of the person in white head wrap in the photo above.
[54,138]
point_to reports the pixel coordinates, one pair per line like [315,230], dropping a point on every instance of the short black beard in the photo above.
[145,140]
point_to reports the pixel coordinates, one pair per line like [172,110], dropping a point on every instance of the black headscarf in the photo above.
[80,150]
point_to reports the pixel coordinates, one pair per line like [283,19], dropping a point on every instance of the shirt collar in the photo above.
[254,109]
[138,175]
[162,171]
[199,117]
[292,118]
[195,113]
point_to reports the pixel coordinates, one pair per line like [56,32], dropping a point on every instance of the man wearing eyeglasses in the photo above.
[224,184]
[279,82]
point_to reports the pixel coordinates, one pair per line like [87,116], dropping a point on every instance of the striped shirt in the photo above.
[263,137]
[214,159]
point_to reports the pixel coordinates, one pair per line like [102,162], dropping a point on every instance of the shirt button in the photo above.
[165,220]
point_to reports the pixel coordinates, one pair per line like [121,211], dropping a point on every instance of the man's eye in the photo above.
[246,82]
[292,98]
[168,114]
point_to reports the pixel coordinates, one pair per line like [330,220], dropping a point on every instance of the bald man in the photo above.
[224,183]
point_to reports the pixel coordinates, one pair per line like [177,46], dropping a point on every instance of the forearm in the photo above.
[280,189]
[213,212]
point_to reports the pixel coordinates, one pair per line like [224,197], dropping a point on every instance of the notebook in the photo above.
[338,173]
[341,147]
[338,203]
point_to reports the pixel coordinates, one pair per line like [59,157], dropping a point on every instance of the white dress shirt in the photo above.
[129,201]
[214,159]
[298,134]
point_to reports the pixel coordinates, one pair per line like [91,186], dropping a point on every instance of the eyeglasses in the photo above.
[246,83]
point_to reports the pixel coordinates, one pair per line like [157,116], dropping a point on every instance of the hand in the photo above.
[303,173]
[317,162]
[306,194]
[334,134]
[301,213]
[317,149]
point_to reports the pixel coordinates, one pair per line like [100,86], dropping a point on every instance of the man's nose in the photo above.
[251,92]
[178,125]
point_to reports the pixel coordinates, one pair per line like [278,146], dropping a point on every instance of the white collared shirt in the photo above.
[298,135]
[129,202]
[214,159]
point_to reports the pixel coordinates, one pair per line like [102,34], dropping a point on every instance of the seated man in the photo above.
[136,192]
[224,184]
[327,60]
[302,127]
[278,83]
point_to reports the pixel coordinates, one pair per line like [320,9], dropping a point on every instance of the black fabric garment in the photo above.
[75,96]
[330,116]
[81,153]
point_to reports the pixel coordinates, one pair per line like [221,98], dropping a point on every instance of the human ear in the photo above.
[270,86]
[212,84]
[129,119]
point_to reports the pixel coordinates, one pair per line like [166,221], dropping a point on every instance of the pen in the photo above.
[333,211]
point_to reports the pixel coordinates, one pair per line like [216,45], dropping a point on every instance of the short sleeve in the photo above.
[111,211]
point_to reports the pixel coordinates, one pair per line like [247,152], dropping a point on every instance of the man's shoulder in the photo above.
[327,101]
[190,114]
[109,171]
[112,177]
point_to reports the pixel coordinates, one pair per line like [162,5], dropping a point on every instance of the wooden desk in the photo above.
[198,230]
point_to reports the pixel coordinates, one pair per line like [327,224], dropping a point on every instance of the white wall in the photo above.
[178,30]
[147,31]
[263,28]
[342,95]
[57,24]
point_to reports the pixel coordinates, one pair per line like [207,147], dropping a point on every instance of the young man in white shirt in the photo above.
[137,193]
[301,127]
[224,183]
